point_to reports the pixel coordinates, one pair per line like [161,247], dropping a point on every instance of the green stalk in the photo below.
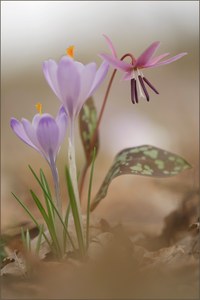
[73,183]
[39,240]
[89,197]
[75,213]
[32,217]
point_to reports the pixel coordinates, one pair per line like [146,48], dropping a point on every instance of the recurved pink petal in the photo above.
[127,76]
[18,129]
[144,58]
[110,45]
[170,60]
[116,63]
[155,60]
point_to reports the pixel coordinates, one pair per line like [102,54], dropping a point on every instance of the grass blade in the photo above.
[66,220]
[64,226]
[47,192]
[23,237]
[28,240]
[50,225]
[39,240]
[89,197]
[75,213]
[32,217]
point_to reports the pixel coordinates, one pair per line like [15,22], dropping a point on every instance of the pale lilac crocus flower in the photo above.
[73,83]
[132,71]
[45,134]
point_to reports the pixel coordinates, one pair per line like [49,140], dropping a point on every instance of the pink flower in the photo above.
[132,71]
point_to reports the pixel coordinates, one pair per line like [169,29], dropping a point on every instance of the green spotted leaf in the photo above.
[87,125]
[143,160]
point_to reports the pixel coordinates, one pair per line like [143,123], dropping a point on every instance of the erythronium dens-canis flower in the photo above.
[132,71]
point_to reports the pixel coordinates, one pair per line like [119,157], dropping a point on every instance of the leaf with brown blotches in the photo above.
[143,160]
[87,125]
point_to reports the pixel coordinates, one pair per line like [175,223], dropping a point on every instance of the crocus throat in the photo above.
[70,51]
[138,88]
[39,107]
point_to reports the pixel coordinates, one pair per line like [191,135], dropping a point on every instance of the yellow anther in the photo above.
[39,107]
[70,51]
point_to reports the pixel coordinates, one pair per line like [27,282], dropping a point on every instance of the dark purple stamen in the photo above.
[136,93]
[150,85]
[144,88]
[133,87]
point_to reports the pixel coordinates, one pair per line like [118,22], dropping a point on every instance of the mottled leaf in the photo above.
[87,124]
[143,160]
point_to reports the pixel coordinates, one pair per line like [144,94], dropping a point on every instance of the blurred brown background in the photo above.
[33,31]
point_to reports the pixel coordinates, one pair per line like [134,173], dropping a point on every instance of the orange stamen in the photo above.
[70,51]
[39,107]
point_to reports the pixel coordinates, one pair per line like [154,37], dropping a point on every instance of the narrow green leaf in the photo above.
[23,237]
[89,197]
[47,192]
[66,220]
[39,239]
[32,217]
[64,226]
[143,160]
[75,212]
[87,125]
[49,219]
[28,240]
[40,183]
[50,225]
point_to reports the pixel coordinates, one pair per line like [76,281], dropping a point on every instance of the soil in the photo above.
[120,263]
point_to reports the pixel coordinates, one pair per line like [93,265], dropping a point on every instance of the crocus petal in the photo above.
[69,84]
[146,55]
[155,60]
[87,77]
[110,45]
[36,120]
[18,129]
[61,121]
[31,133]
[50,72]
[170,60]
[48,135]
[99,77]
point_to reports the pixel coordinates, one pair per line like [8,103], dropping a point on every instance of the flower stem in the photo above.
[93,140]
[55,176]
[58,204]
[86,166]
[73,175]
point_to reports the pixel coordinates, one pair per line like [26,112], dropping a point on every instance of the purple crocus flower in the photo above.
[132,71]
[72,82]
[45,134]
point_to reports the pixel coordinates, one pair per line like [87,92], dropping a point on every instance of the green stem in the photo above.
[92,144]
[93,140]
[58,204]
[89,198]
[73,176]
